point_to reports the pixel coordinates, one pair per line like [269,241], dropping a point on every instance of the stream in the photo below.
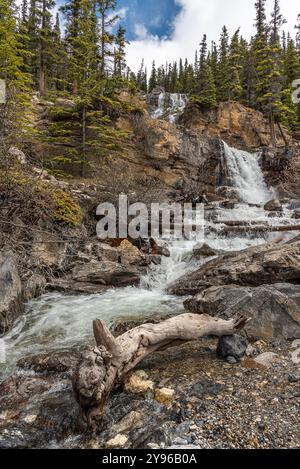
[57,322]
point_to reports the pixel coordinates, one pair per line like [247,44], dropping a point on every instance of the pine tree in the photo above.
[153,78]
[107,18]
[142,82]
[297,27]
[206,96]
[119,55]
[11,71]
[235,68]
[223,85]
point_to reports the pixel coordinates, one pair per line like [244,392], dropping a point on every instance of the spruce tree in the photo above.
[17,81]
[153,78]
[235,68]
[107,19]
[119,55]
[223,85]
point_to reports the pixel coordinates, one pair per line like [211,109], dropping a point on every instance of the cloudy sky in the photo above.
[166,30]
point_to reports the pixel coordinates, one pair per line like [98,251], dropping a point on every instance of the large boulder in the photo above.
[106,273]
[11,305]
[274,309]
[273,205]
[267,264]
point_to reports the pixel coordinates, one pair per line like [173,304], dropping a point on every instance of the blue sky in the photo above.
[156,15]
[165,30]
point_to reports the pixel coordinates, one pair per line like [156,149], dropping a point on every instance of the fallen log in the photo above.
[104,366]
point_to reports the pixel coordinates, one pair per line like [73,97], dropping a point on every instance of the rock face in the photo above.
[49,251]
[274,309]
[254,266]
[240,126]
[10,291]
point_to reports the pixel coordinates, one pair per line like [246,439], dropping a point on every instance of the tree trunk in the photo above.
[83,161]
[42,52]
[104,366]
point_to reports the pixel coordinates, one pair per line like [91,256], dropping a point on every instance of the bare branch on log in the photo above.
[106,365]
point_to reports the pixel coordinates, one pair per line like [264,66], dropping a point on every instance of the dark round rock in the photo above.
[232,346]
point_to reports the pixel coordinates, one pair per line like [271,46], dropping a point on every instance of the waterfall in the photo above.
[159,112]
[246,176]
[178,104]
[170,105]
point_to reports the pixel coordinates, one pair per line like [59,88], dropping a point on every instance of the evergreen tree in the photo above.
[142,82]
[153,78]
[207,95]
[297,27]
[119,58]
[235,68]
[11,71]
[223,85]
[107,18]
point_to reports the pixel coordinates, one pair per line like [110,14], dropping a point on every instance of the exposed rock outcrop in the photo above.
[274,309]
[254,266]
[11,305]
[240,126]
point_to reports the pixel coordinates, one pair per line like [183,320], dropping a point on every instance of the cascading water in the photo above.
[57,322]
[246,175]
[170,105]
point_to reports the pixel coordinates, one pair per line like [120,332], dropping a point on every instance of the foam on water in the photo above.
[58,322]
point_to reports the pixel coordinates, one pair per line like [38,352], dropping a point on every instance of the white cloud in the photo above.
[196,18]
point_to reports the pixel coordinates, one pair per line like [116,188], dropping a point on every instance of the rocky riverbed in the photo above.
[184,396]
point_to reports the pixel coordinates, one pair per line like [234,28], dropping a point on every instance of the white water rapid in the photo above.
[56,321]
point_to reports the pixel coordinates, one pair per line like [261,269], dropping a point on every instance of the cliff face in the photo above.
[154,153]
[239,126]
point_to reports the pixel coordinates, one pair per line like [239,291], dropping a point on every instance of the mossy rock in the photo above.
[32,199]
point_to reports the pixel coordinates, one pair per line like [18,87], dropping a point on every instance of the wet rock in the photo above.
[164,396]
[229,193]
[156,249]
[273,205]
[57,362]
[33,287]
[11,305]
[106,273]
[255,266]
[203,250]
[138,383]
[274,309]
[129,254]
[232,346]
[296,215]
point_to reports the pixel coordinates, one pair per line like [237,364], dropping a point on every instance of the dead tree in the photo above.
[105,365]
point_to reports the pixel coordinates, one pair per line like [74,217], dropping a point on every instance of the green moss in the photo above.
[32,199]
[66,209]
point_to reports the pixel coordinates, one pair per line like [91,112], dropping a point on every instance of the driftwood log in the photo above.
[106,365]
